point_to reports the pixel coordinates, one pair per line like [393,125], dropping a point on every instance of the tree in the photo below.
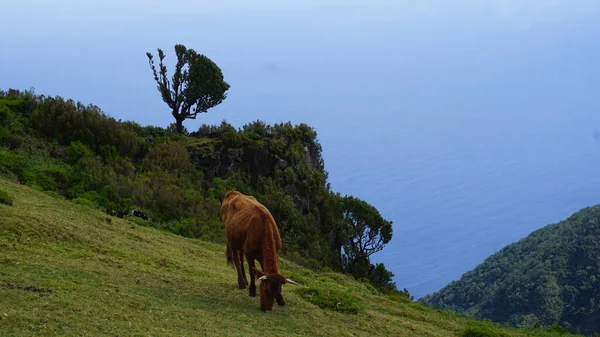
[333,225]
[367,234]
[197,84]
[381,278]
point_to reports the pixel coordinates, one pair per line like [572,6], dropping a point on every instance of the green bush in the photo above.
[331,299]
[92,196]
[481,332]
[12,163]
[46,177]
[556,328]
[84,202]
[136,220]
[54,195]
[5,198]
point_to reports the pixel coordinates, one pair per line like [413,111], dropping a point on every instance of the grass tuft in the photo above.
[5,198]
[332,299]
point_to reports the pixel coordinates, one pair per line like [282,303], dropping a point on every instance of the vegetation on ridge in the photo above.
[178,181]
[552,275]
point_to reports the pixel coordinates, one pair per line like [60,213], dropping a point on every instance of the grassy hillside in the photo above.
[178,180]
[68,269]
[553,275]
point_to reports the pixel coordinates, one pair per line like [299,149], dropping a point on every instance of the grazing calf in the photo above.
[252,232]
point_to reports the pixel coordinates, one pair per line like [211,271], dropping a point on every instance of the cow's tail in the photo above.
[229,254]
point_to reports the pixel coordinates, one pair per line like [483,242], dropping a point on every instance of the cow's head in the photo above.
[270,287]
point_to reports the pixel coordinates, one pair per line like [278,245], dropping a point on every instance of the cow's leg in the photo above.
[241,257]
[239,266]
[252,289]
[279,299]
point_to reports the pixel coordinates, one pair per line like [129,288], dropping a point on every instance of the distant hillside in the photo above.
[553,275]
[68,269]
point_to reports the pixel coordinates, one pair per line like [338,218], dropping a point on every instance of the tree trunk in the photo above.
[179,122]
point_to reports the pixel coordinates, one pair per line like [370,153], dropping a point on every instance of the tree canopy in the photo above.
[367,233]
[197,84]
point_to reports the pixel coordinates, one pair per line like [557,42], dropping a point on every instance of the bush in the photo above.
[331,299]
[556,328]
[481,332]
[11,141]
[136,220]
[54,195]
[91,196]
[46,177]
[84,202]
[213,131]
[12,163]
[5,198]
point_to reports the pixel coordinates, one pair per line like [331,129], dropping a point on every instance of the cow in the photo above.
[252,232]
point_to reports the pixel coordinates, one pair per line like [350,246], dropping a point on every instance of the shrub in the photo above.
[556,328]
[12,163]
[172,157]
[398,298]
[11,141]
[5,198]
[77,150]
[54,194]
[213,131]
[84,202]
[331,299]
[46,177]
[92,196]
[136,220]
[481,332]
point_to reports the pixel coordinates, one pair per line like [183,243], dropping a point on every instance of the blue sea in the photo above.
[468,124]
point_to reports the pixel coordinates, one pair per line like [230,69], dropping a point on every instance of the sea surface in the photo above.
[468,124]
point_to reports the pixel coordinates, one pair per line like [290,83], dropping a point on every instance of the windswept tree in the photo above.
[367,232]
[197,84]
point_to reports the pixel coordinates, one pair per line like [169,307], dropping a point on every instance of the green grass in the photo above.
[67,269]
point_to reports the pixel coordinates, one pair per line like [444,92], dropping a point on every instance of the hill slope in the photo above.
[178,181]
[553,275]
[68,269]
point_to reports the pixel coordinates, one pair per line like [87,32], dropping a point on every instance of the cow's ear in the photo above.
[257,272]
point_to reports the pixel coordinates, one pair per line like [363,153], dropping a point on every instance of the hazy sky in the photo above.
[340,57]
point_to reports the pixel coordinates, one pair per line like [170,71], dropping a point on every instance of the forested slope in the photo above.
[553,275]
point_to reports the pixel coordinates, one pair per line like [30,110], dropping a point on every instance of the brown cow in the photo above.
[252,231]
